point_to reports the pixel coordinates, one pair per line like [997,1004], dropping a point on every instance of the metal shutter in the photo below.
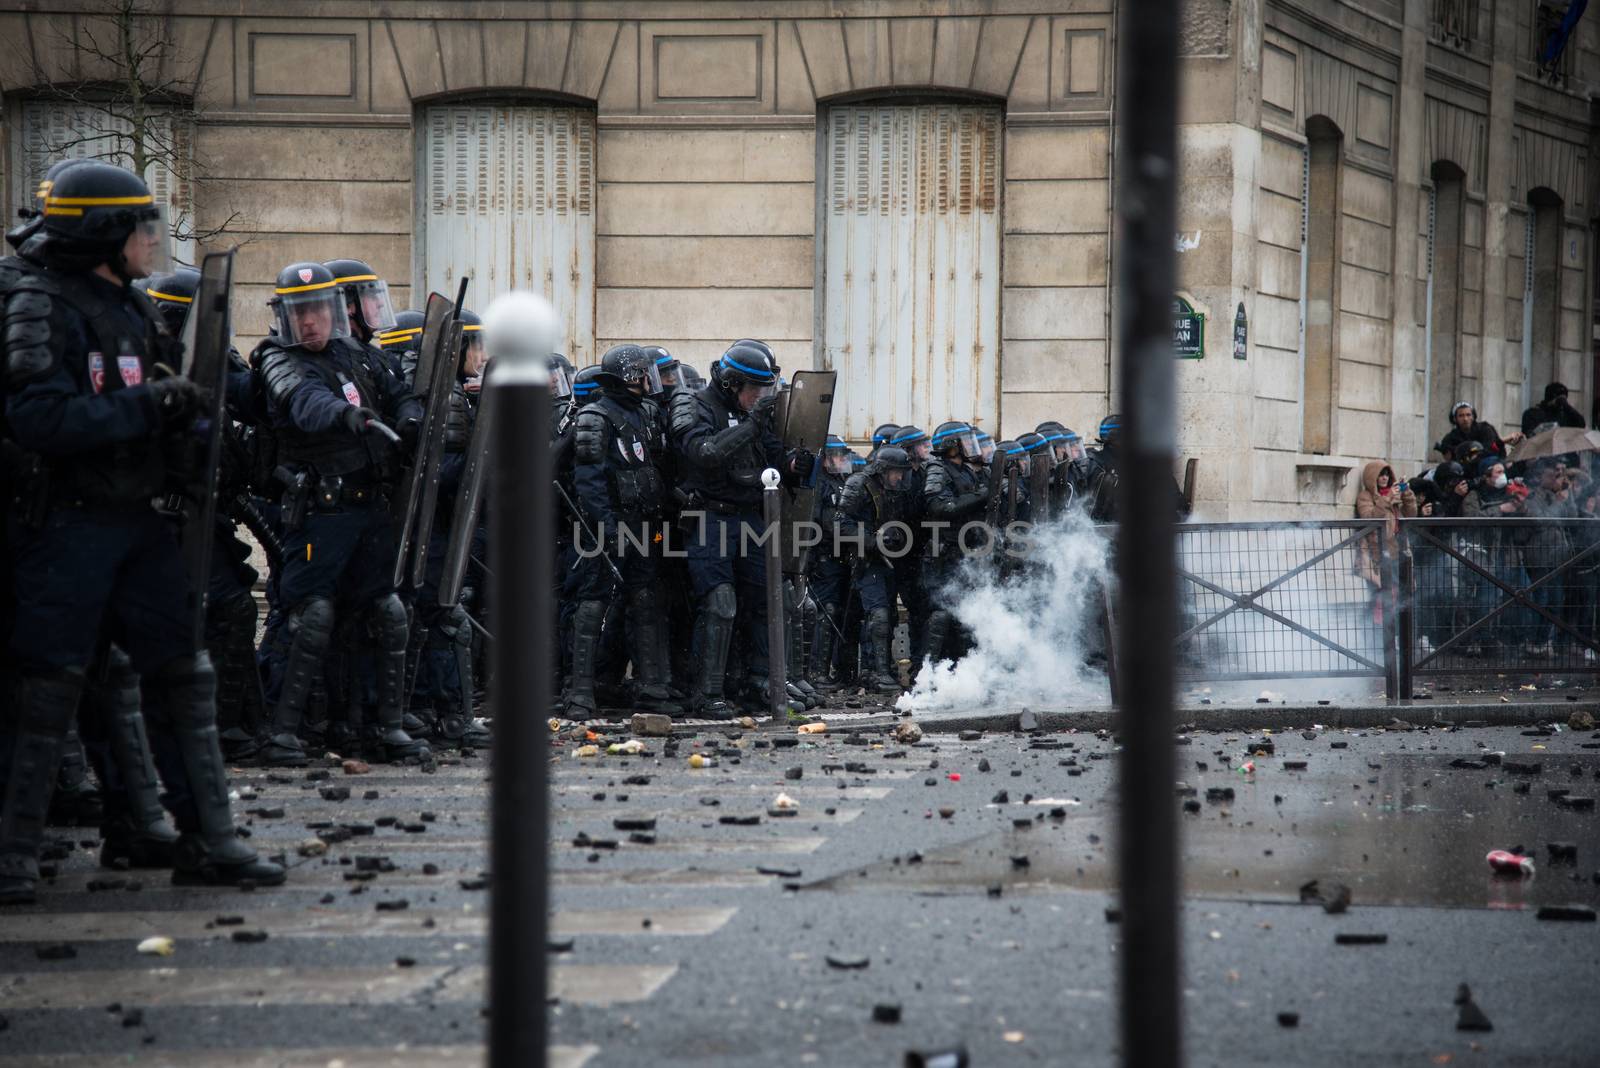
[912,274]
[508,200]
[55,130]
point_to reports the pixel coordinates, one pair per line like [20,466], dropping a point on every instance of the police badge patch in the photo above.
[129,370]
[306,274]
[97,371]
[638,450]
[352,394]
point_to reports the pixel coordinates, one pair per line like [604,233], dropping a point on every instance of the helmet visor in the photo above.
[372,298]
[651,377]
[150,243]
[1024,464]
[312,318]
[968,440]
[560,381]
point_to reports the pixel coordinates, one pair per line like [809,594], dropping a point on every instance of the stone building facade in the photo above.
[1385,205]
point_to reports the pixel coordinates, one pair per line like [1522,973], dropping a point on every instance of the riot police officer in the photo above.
[954,492]
[909,580]
[725,438]
[829,573]
[871,517]
[324,397]
[90,390]
[617,444]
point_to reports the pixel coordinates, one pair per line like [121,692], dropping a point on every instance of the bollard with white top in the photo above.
[521,330]
[777,670]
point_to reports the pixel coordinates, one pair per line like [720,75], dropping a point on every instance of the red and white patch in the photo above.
[130,370]
[97,371]
[352,394]
[306,274]
[638,450]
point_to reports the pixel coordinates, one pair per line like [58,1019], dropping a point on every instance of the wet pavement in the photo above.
[695,924]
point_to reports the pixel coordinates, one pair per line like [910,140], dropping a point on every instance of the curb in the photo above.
[1275,717]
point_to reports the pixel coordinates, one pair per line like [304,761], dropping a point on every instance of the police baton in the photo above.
[382,430]
[520,332]
[777,673]
[587,530]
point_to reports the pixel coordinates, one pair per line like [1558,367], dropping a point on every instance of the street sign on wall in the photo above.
[1188,331]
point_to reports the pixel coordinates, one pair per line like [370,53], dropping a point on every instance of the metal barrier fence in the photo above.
[1365,598]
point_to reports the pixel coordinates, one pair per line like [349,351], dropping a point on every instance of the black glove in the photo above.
[176,398]
[800,461]
[410,431]
[356,419]
[766,409]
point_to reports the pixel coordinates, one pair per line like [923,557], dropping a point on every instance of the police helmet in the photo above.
[909,434]
[891,458]
[33,216]
[1110,431]
[956,439]
[309,306]
[366,293]
[91,209]
[835,455]
[585,384]
[173,295]
[666,366]
[692,379]
[1011,452]
[746,363]
[885,434]
[625,366]
[406,334]
[1468,453]
[1447,474]
[1035,444]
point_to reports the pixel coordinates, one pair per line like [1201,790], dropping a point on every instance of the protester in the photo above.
[1550,413]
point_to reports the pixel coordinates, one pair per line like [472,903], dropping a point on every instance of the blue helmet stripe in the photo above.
[763,376]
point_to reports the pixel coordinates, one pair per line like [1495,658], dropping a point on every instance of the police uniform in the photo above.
[326,400]
[954,492]
[872,518]
[89,391]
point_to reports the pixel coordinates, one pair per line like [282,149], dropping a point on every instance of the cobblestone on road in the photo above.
[957,887]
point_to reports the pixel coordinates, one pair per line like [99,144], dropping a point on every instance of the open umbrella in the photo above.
[1557,442]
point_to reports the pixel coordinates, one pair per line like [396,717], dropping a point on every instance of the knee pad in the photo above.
[313,617]
[642,599]
[722,602]
[240,611]
[390,624]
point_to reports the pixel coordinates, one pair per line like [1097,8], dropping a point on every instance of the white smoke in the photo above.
[1033,631]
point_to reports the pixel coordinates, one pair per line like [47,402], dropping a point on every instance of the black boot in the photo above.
[180,702]
[394,744]
[136,833]
[881,679]
[650,690]
[457,726]
[46,707]
[586,624]
[941,626]
[716,621]
[76,801]
[230,639]
[311,628]
[821,669]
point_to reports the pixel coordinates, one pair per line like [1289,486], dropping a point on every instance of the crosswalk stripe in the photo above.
[580,984]
[324,923]
[330,1057]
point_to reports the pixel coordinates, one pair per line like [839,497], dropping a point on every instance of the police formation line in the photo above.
[122,660]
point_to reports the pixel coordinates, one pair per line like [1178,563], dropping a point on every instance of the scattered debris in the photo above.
[847,963]
[651,724]
[1469,1016]
[1353,938]
[585,751]
[885,1013]
[907,733]
[1334,897]
[1288,1019]
[817,727]
[1574,913]
[356,767]
[157,946]
[1505,862]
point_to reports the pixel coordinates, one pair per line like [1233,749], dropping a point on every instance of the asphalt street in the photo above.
[957,889]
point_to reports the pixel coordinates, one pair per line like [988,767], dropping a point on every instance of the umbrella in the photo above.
[1557,442]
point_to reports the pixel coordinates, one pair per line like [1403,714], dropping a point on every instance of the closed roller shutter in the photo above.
[912,273]
[508,201]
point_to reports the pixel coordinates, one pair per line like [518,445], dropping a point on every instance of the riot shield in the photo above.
[1039,488]
[469,498]
[430,351]
[1001,471]
[207,335]
[432,439]
[804,412]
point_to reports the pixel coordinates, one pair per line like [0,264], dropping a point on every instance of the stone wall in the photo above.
[707,170]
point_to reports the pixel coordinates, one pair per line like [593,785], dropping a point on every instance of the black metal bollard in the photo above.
[777,648]
[520,331]
[1149,870]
